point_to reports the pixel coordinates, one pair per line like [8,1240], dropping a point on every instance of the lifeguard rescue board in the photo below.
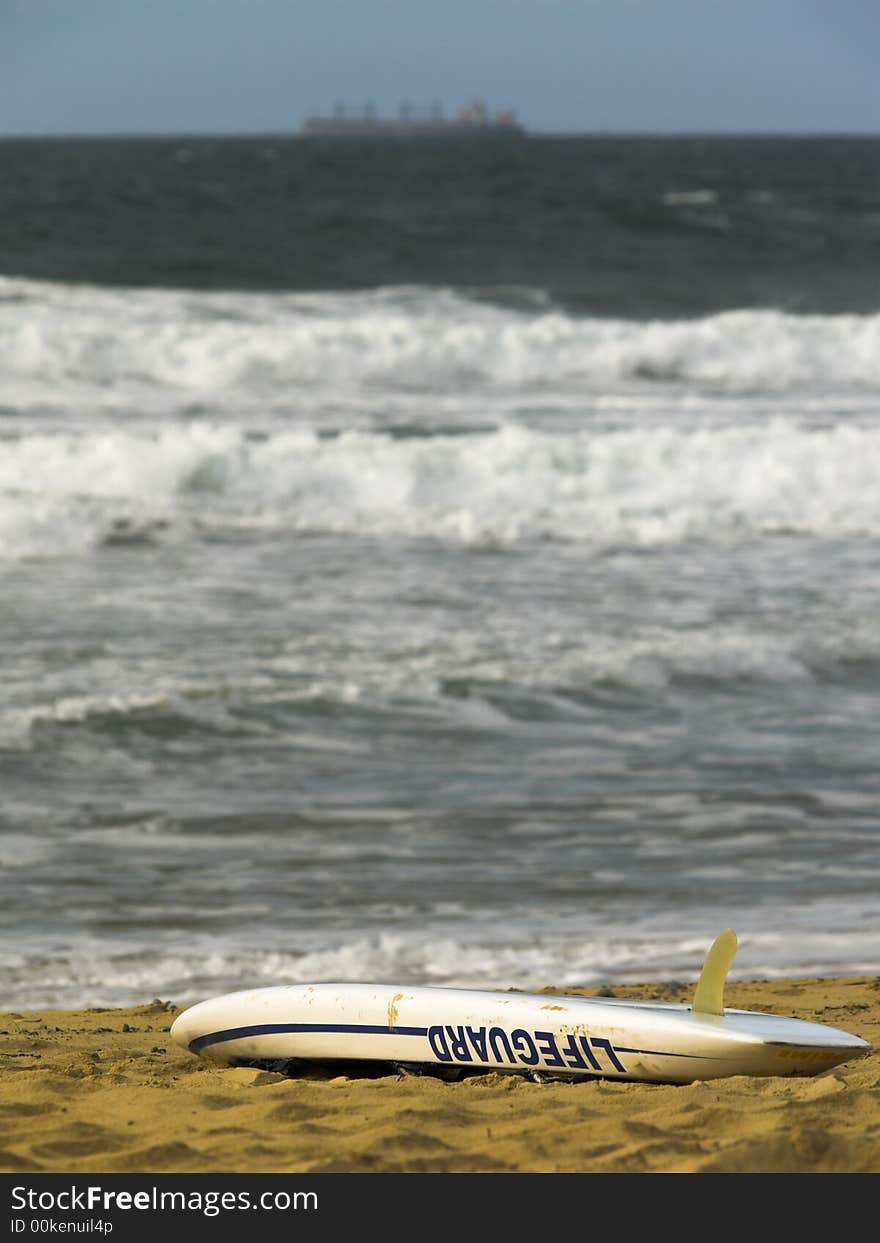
[452,1031]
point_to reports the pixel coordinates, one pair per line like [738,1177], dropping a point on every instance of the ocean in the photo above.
[435,562]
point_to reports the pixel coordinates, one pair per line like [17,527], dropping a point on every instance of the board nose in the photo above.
[181,1030]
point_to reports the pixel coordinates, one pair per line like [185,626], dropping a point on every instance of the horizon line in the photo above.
[521,133]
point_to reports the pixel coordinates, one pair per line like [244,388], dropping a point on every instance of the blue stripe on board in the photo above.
[702,1057]
[275,1029]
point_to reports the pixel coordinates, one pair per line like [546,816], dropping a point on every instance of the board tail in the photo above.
[709,995]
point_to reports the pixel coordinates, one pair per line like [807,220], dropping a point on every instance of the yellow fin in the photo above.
[709,996]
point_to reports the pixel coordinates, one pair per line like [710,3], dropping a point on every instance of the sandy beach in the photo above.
[107,1090]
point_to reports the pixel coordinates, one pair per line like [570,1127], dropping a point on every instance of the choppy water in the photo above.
[436,630]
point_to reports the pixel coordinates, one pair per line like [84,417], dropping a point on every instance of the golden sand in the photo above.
[109,1091]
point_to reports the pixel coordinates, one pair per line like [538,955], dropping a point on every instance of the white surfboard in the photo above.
[454,1031]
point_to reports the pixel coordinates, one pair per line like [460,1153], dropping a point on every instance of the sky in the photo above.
[563,66]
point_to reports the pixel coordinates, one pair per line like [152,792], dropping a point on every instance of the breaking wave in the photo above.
[62,491]
[161,349]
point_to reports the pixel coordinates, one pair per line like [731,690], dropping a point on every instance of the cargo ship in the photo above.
[473,121]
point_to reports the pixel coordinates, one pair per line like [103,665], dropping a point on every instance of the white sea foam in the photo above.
[700,497]
[161,350]
[98,973]
[641,486]
[133,413]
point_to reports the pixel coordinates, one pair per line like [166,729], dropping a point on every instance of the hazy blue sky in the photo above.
[244,66]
